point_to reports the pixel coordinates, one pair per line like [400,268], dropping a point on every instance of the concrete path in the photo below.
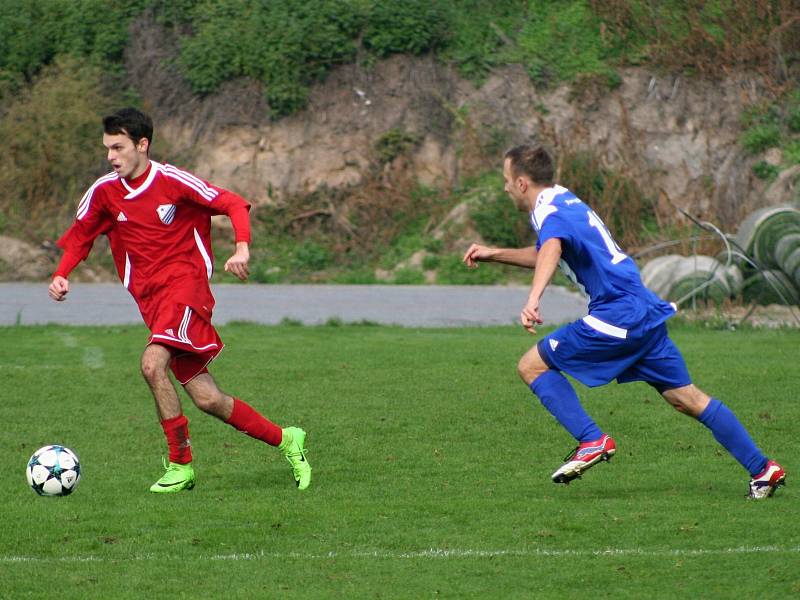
[412,306]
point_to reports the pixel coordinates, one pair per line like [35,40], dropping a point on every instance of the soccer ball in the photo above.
[53,471]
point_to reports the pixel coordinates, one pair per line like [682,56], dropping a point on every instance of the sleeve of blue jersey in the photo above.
[555,226]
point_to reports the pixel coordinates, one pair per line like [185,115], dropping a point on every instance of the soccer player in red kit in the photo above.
[158,222]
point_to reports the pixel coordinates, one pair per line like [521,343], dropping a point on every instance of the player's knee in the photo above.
[152,369]
[527,369]
[687,400]
[521,368]
[679,406]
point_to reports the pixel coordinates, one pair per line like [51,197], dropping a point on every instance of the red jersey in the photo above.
[159,229]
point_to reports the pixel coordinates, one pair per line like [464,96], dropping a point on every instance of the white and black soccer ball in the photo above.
[53,471]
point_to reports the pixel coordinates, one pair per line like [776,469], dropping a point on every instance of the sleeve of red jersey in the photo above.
[78,240]
[238,211]
[67,263]
[219,200]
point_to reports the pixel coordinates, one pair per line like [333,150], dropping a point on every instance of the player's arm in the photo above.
[546,264]
[59,286]
[237,263]
[238,211]
[77,242]
[519,257]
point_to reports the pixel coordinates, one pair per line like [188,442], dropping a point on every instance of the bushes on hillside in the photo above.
[34,33]
[412,26]
[286,44]
[289,44]
[52,135]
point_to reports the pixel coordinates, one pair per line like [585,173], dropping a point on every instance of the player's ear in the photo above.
[143,145]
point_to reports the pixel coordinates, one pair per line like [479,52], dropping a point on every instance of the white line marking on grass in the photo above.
[473,553]
[427,553]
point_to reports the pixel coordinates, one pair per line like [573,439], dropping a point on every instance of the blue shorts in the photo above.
[595,358]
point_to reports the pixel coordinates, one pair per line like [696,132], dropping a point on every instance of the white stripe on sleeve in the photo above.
[86,201]
[191,181]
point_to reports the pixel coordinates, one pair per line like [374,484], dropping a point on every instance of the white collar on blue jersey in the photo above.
[543,207]
[547,194]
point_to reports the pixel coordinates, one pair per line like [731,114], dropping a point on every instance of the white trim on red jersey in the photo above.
[198,185]
[132,193]
[86,201]
[200,246]
[126,279]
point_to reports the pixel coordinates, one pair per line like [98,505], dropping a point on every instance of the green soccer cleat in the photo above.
[293,448]
[177,478]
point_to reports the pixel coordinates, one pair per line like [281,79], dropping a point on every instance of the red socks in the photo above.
[244,418]
[249,421]
[180,446]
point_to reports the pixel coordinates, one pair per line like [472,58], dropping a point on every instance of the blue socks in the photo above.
[729,432]
[560,399]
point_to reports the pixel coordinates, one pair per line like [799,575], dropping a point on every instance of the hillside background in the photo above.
[369,134]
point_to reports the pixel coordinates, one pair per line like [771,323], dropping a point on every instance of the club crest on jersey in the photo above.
[166,212]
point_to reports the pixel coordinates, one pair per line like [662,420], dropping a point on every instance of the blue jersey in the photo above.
[618,300]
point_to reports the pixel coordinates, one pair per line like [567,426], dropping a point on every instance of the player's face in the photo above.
[512,187]
[129,160]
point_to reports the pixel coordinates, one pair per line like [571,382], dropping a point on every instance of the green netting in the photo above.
[785,246]
[791,266]
[757,288]
[761,232]
[657,274]
[675,278]
[787,255]
[715,292]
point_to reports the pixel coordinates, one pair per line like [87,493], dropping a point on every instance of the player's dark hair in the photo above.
[534,162]
[131,122]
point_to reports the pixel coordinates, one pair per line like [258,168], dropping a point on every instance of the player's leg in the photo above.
[557,395]
[560,399]
[209,398]
[180,474]
[766,475]
[155,370]
[688,399]
[664,368]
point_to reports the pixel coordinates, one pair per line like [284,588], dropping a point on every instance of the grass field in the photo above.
[431,473]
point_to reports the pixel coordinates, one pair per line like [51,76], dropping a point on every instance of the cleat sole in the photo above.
[568,476]
[173,489]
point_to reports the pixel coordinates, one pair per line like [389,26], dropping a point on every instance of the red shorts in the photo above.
[192,340]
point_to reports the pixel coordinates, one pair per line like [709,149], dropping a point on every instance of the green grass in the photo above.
[431,473]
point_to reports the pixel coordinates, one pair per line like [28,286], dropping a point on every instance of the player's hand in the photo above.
[530,317]
[475,254]
[59,288]
[237,264]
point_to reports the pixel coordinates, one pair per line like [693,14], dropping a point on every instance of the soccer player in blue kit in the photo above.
[624,336]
